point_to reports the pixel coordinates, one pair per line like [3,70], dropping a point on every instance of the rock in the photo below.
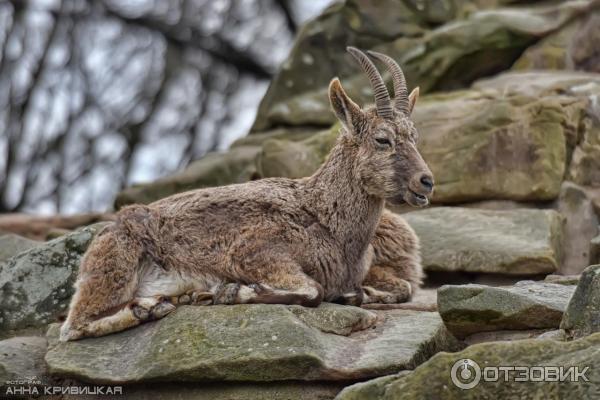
[36,285]
[563,279]
[11,245]
[594,194]
[498,205]
[432,379]
[22,358]
[504,336]
[286,158]
[469,309]
[595,250]
[485,143]
[319,51]
[483,146]
[557,334]
[449,57]
[584,168]
[515,242]
[580,228]
[568,49]
[295,159]
[214,169]
[55,233]
[582,316]
[287,133]
[38,227]
[255,343]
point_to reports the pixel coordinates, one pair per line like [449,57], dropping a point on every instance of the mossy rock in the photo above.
[470,309]
[509,138]
[36,285]
[255,343]
[432,379]
[448,57]
[567,49]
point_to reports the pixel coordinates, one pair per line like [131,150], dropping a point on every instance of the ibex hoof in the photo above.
[258,288]
[379,296]
[184,299]
[227,294]
[201,298]
[140,312]
[352,298]
[161,309]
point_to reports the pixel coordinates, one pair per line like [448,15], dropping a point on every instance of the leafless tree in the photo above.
[99,94]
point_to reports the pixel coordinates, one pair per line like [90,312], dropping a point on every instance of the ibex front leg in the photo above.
[271,279]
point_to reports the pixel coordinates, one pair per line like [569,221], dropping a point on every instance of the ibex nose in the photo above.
[427,182]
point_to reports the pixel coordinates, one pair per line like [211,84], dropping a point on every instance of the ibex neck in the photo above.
[343,205]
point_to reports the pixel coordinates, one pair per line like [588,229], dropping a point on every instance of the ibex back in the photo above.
[274,240]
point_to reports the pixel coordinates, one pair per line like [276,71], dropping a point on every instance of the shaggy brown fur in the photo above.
[269,241]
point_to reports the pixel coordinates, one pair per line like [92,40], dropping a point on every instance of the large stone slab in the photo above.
[513,242]
[432,379]
[36,285]
[582,316]
[255,343]
[469,309]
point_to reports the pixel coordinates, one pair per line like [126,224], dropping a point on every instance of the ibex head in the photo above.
[388,163]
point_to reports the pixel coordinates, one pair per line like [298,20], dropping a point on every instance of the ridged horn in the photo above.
[401,103]
[383,102]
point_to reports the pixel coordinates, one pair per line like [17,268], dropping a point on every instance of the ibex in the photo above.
[274,240]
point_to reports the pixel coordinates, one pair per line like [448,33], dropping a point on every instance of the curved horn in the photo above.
[401,102]
[383,102]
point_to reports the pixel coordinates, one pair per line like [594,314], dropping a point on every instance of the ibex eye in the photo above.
[383,141]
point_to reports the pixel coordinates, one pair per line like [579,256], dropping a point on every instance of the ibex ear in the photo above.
[412,99]
[347,111]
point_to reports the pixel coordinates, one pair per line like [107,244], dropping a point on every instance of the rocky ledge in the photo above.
[256,343]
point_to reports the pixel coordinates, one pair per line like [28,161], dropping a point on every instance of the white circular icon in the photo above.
[465,373]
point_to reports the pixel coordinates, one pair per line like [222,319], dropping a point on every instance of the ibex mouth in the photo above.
[415,199]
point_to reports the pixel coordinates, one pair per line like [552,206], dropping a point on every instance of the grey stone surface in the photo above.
[582,316]
[432,379]
[469,309]
[512,242]
[256,343]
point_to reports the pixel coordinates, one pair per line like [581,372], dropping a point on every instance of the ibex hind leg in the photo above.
[107,281]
